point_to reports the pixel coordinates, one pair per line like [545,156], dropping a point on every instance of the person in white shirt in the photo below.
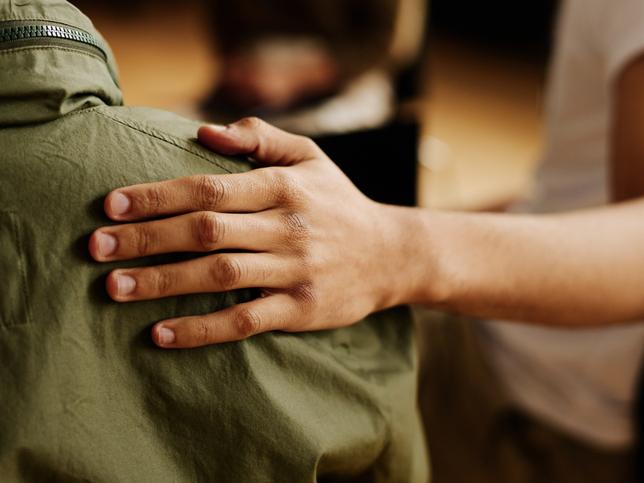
[324,255]
[581,384]
[584,382]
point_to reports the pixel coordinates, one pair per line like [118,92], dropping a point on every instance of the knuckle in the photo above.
[211,191]
[251,123]
[288,190]
[283,179]
[151,201]
[145,240]
[310,145]
[277,177]
[209,230]
[226,272]
[163,281]
[247,323]
[306,294]
[263,273]
[297,226]
[203,331]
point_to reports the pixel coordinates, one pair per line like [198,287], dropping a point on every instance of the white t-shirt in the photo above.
[583,382]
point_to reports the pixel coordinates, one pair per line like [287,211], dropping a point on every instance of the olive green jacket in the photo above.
[84,395]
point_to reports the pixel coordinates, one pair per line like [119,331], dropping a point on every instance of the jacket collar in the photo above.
[43,79]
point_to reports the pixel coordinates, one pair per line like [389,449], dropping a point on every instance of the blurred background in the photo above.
[437,104]
[431,103]
[471,84]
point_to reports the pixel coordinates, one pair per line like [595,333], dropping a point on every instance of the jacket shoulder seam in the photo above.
[161,137]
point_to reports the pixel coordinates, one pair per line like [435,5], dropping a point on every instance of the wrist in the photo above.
[412,258]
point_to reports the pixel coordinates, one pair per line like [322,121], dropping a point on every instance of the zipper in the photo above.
[30,33]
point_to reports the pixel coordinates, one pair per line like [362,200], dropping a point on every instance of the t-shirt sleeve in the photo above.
[619,30]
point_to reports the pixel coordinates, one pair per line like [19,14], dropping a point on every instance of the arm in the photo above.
[577,269]
[574,269]
[326,256]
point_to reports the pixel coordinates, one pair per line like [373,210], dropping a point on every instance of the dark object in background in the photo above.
[381,162]
[523,28]
[356,32]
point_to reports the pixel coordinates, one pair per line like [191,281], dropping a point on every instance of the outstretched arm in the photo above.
[575,269]
[326,256]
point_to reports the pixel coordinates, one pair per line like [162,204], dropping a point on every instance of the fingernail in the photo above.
[166,336]
[218,127]
[120,204]
[106,244]
[125,284]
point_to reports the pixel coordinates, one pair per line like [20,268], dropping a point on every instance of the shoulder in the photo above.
[86,154]
[168,128]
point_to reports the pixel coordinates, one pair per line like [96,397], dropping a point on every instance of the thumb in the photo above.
[266,144]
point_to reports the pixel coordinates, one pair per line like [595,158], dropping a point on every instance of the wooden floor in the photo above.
[482,112]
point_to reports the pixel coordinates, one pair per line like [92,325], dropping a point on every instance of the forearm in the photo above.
[325,256]
[584,268]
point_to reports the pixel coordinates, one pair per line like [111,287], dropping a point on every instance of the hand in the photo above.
[323,254]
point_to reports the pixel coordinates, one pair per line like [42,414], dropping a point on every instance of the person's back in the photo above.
[85,395]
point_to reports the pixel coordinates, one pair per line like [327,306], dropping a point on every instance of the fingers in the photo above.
[274,312]
[202,231]
[254,191]
[215,273]
[265,143]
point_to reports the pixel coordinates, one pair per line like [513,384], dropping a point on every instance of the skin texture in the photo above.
[575,269]
[292,223]
[325,256]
